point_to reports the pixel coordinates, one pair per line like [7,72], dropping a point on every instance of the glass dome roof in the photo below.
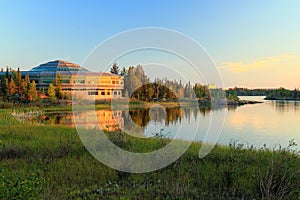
[58,66]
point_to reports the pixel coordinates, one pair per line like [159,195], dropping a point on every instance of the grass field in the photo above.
[50,162]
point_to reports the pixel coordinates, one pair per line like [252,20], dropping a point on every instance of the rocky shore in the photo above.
[241,102]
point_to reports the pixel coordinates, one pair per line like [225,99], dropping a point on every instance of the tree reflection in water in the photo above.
[135,120]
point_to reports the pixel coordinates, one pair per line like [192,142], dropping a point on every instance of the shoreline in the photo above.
[242,102]
[281,99]
[131,105]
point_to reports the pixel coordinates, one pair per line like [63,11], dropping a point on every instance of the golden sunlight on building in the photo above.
[77,80]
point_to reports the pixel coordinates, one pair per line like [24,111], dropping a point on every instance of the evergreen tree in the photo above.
[115,69]
[25,88]
[52,93]
[123,72]
[12,87]
[140,75]
[32,92]
[18,81]
[149,92]
[27,80]
[13,75]
[187,91]
[4,88]
[58,87]
[7,73]
[131,80]
[180,91]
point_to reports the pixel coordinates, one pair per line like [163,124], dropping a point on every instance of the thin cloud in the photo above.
[265,63]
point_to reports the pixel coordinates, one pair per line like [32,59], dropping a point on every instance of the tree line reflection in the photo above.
[131,120]
[285,106]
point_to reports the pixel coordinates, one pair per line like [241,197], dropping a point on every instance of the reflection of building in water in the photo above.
[107,120]
[134,121]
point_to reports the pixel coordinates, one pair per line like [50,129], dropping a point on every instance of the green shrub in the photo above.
[17,187]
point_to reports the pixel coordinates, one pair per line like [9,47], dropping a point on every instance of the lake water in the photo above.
[271,123]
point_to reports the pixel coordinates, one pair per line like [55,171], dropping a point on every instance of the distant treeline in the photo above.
[137,86]
[17,89]
[271,94]
[248,92]
[283,94]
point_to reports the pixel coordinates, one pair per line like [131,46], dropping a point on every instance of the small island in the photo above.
[269,94]
[233,99]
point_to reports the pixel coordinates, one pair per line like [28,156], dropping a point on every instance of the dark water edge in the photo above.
[282,99]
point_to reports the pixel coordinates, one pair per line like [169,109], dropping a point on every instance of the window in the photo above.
[113,82]
[102,93]
[105,82]
[47,81]
[108,93]
[65,81]
[92,93]
[48,77]
[115,93]
[79,81]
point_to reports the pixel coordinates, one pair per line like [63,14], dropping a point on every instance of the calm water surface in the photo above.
[271,123]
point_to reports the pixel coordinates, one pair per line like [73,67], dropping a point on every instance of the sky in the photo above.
[253,43]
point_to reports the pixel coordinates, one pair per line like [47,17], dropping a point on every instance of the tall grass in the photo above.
[50,162]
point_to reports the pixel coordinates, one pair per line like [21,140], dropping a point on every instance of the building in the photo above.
[77,80]
[212,86]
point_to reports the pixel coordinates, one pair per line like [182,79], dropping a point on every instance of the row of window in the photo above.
[84,89]
[95,91]
[111,82]
[77,81]
[103,93]
[93,82]
[51,81]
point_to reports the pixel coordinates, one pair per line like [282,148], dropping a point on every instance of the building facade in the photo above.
[76,80]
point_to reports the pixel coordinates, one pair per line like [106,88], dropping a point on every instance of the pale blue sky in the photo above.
[238,35]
